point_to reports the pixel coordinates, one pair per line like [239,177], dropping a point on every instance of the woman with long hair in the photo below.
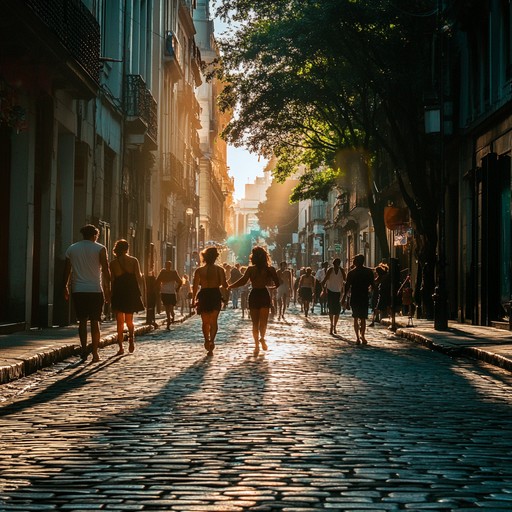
[126,292]
[261,274]
[207,296]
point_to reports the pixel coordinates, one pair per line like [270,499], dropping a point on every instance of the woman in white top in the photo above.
[169,283]
[334,281]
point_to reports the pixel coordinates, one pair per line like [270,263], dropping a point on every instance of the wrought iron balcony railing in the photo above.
[75,27]
[139,103]
[172,174]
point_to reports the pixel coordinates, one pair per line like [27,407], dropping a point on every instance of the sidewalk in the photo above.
[26,352]
[488,344]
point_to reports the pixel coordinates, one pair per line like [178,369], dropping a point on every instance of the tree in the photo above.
[313,80]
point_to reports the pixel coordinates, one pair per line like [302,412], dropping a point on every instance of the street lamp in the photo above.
[436,118]
[189,212]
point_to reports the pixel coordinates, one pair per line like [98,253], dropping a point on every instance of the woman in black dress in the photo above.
[261,274]
[208,279]
[126,296]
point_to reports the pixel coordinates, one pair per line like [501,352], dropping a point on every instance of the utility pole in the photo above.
[440,293]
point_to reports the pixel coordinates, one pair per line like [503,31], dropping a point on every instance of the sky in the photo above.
[243,165]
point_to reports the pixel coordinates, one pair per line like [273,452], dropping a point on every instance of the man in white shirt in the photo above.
[321,297]
[86,268]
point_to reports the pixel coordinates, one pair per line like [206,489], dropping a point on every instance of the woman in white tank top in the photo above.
[334,281]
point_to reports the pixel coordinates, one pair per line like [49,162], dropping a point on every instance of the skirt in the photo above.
[259,298]
[208,300]
[126,297]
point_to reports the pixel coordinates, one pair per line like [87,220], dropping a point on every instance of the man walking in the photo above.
[86,268]
[359,280]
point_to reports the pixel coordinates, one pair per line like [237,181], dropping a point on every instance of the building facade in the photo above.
[99,123]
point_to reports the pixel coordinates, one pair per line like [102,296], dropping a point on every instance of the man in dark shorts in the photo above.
[87,267]
[359,280]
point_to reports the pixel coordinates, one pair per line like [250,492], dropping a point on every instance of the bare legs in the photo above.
[360,330]
[259,318]
[210,327]
[121,319]
[169,311]
[95,335]
[334,322]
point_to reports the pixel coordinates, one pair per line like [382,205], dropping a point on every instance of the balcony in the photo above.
[195,64]
[172,55]
[61,35]
[141,113]
[172,175]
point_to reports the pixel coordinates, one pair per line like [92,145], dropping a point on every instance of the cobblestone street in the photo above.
[317,422]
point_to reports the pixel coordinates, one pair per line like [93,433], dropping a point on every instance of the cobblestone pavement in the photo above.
[317,422]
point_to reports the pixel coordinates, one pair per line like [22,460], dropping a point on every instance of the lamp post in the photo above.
[189,212]
[440,293]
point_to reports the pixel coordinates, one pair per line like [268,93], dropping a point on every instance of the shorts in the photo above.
[334,302]
[88,305]
[283,291]
[169,299]
[306,294]
[259,298]
[359,310]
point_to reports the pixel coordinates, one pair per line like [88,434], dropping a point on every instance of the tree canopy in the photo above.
[313,79]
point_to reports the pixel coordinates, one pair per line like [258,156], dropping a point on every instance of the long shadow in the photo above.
[379,420]
[120,457]
[71,382]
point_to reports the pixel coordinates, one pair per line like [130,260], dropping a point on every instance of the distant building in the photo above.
[246,209]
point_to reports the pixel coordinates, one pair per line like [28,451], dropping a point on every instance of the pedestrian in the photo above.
[126,292]
[260,273]
[86,266]
[234,276]
[296,297]
[359,280]
[207,295]
[382,306]
[185,295]
[169,283]
[244,293]
[284,290]
[334,282]
[306,289]
[225,292]
[320,295]
[406,293]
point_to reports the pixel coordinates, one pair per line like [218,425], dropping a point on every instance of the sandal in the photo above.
[131,344]
[120,352]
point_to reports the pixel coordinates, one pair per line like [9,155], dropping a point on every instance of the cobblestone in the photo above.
[317,422]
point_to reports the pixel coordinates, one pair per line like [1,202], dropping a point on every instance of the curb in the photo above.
[471,352]
[55,355]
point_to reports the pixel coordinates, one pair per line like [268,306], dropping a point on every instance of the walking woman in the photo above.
[126,292]
[169,282]
[306,289]
[207,296]
[334,281]
[261,274]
